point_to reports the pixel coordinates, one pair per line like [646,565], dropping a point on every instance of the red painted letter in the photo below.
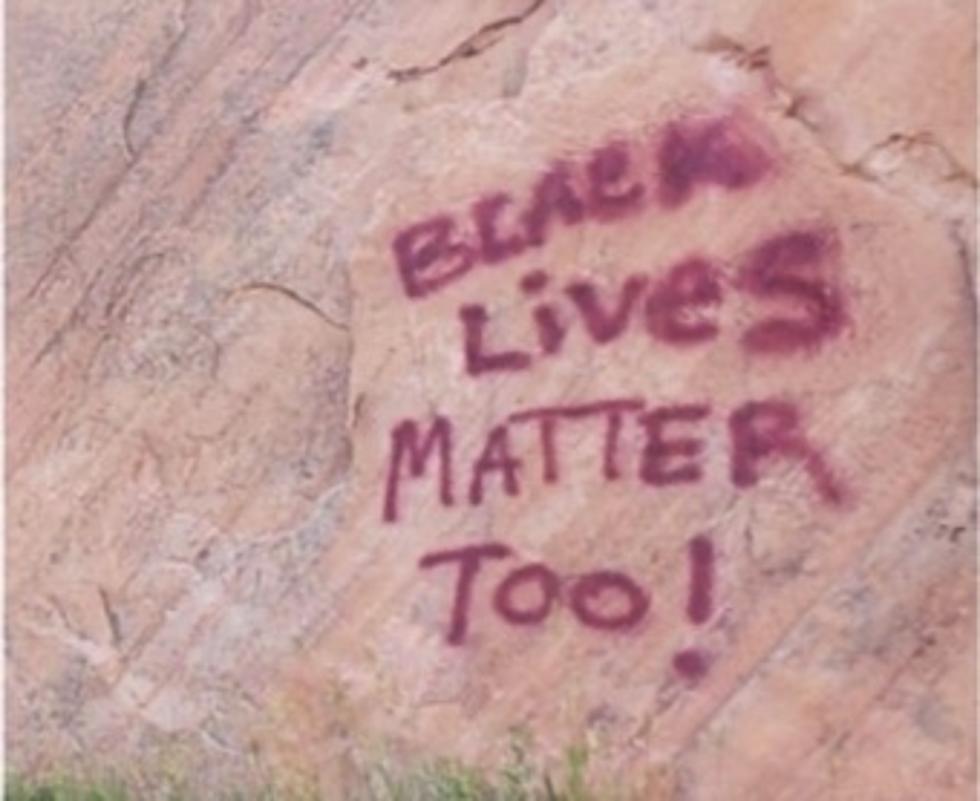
[778,268]
[701,553]
[586,596]
[658,450]
[539,574]
[604,326]
[405,442]
[608,169]
[469,558]
[710,152]
[553,195]
[493,248]
[475,318]
[424,245]
[495,456]
[672,310]
[764,429]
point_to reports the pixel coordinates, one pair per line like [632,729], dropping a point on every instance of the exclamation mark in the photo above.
[691,662]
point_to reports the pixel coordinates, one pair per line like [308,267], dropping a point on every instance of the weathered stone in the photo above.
[270,268]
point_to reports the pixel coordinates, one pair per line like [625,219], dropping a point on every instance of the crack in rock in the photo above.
[759,60]
[309,305]
[112,617]
[793,104]
[475,44]
[139,91]
[902,145]
[127,122]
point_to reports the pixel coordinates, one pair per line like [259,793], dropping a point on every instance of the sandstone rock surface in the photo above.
[289,285]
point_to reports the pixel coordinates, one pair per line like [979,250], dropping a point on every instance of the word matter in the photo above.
[668,454]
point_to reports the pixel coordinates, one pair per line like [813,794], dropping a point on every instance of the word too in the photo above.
[679,309]
[758,432]
[610,185]
[606,600]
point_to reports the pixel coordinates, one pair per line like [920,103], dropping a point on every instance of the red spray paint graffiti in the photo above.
[603,600]
[783,271]
[790,303]
[666,444]
[692,663]
[615,181]
[606,600]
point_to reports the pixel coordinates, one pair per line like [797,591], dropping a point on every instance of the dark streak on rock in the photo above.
[122,291]
[121,294]
[967,263]
[294,296]
[142,84]
[138,93]
[111,617]
[226,158]
[748,58]
[135,151]
[485,38]
[919,140]
[759,60]
[133,154]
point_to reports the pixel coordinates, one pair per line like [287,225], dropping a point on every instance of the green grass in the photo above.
[64,790]
[519,779]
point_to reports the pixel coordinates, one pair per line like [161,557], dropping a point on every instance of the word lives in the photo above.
[679,308]
[606,600]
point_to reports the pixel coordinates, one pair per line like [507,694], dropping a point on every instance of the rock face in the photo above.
[384,376]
